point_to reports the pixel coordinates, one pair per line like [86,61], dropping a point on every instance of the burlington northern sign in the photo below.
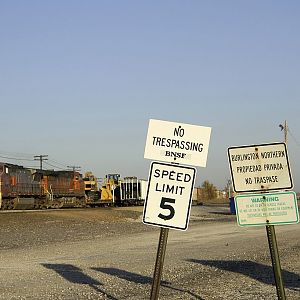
[177,143]
[260,168]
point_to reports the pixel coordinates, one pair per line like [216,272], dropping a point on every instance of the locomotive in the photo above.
[26,188]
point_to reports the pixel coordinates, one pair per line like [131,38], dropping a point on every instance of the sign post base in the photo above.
[160,257]
[275,262]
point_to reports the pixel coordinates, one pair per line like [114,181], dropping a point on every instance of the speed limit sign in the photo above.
[169,195]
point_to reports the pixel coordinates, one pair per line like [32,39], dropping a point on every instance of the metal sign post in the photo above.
[275,261]
[167,204]
[160,257]
[264,168]
[170,186]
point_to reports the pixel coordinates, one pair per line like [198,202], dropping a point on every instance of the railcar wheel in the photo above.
[4,205]
[10,204]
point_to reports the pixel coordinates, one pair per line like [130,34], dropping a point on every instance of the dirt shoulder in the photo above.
[110,254]
[32,228]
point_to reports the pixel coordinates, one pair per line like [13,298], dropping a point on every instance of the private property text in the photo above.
[257,166]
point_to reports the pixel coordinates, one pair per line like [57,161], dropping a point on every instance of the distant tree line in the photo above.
[207,192]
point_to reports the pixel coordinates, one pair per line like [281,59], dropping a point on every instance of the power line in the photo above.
[74,168]
[42,158]
[295,140]
[58,163]
[10,153]
[15,158]
[54,166]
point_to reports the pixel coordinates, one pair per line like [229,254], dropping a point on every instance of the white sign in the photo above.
[177,142]
[260,168]
[169,195]
[267,209]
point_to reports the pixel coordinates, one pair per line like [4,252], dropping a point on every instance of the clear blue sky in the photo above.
[79,80]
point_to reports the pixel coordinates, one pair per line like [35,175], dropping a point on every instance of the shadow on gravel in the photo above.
[253,270]
[129,276]
[141,279]
[223,213]
[75,275]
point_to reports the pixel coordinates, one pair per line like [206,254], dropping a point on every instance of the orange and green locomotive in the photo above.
[27,188]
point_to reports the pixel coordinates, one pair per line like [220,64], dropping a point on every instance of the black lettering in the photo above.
[187,178]
[179,176]
[164,173]
[171,177]
[181,188]
[200,147]
[170,189]
[164,204]
[157,188]
[248,180]
[156,173]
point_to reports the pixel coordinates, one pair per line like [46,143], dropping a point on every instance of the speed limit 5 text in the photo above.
[177,177]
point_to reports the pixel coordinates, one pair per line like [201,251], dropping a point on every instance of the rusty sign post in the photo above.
[168,204]
[269,209]
[275,261]
[159,263]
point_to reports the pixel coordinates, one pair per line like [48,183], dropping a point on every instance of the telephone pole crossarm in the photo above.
[74,168]
[41,158]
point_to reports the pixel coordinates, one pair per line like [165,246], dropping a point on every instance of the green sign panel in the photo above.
[267,209]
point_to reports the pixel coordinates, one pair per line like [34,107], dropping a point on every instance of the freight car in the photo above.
[114,191]
[132,191]
[26,188]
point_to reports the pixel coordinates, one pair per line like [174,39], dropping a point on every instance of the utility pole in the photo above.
[229,188]
[285,129]
[41,158]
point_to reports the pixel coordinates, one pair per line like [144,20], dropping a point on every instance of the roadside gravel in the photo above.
[110,254]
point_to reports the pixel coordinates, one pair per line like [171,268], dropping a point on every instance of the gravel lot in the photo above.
[107,253]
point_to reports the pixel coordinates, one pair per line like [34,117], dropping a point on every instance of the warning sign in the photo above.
[169,195]
[260,168]
[267,209]
[176,142]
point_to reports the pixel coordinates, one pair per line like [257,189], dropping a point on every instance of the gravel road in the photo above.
[109,254]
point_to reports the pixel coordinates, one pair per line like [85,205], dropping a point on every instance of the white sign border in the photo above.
[190,201]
